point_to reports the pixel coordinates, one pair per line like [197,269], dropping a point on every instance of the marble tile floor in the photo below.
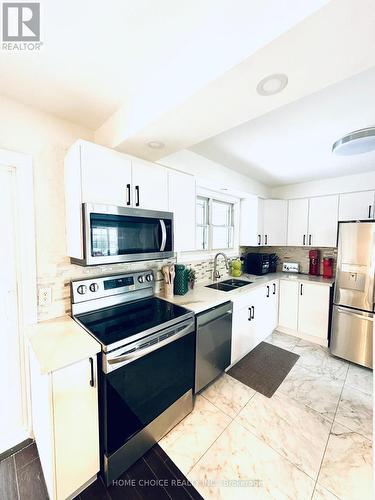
[311,440]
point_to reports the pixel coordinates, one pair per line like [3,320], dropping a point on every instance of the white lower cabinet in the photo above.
[313,310]
[254,318]
[304,310]
[65,424]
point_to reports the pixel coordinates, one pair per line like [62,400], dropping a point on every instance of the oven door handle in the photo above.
[163,235]
[139,353]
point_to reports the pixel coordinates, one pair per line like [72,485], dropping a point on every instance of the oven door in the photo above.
[117,234]
[142,380]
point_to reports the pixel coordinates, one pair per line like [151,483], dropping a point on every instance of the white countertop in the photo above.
[201,298]
[59,342]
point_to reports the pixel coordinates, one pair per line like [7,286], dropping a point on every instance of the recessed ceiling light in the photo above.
[156,145]
[272,84]
[360,141]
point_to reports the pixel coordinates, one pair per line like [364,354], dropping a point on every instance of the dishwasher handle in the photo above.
[217,318]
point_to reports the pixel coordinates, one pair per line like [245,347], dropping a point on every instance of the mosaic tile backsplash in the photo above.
[295,254]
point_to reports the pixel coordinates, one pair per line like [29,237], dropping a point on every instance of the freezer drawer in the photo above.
[351,335]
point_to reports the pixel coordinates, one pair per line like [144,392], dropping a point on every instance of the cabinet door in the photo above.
[76,428]
[273,306]
[106,175]
[313,310]
[298,213]
[150,185]
[182,201]
[275,222]
[288,304]
[323,220]
[357,206]
[251,226]
[243,333]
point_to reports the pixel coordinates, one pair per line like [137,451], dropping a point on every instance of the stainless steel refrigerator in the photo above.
[353,304]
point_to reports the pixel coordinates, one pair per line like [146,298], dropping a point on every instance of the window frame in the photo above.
[209,226]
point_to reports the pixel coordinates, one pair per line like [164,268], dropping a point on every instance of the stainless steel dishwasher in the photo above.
[213,343]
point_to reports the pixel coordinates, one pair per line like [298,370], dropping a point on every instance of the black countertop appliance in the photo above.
[257,263]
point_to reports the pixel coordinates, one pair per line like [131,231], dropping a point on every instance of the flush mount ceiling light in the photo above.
[156,145]
[272,84]
[359,141]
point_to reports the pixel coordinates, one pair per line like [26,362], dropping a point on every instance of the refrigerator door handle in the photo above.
[354,314]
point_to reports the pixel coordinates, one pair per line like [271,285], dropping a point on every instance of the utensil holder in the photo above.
[168,290]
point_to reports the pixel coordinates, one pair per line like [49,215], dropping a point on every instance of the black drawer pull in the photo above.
[92,380]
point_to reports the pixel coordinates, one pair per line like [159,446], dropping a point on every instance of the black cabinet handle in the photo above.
[369,211]
[137,196]
[268,291]
[128,194]
[253,312]
[301,292]
[274,289]
[265,239]
[92,381]
[309,239]
[249,317]
[259,239]
[304,239]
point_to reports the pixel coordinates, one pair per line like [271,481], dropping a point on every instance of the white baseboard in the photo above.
[310,338]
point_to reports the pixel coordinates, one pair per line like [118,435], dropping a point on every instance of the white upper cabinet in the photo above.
[149,186]
[182,197]
[357,206]
[263,222]
[323,219]
[313,221]
[275,219]
[251,225]
[105,174]
[298,215]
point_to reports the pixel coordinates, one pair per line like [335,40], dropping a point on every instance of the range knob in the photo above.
[141,279]
[149,277]
[82,289]
[94,287]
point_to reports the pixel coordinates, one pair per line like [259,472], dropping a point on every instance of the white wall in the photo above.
[46,139]
[345,184]
[214,175]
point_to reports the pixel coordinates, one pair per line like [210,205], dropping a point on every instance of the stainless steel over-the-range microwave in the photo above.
[114,234]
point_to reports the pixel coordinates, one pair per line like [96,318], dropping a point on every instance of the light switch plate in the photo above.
[290,267]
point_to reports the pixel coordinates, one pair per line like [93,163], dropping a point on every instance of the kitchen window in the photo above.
[215,224]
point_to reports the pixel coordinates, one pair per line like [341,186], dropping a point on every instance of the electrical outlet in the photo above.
[45,296]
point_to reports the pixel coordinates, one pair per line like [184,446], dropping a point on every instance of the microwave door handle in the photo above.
[163,235]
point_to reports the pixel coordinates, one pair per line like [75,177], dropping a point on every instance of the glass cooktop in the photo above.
[114,324]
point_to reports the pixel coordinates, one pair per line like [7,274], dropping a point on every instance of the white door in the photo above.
[150,185]
[323,221]
[251,227]
[313,310]
[106,175]
[182,201]
[243,333]
[275,222]
[76,428]
[298,213]
[272,307]
[12,429]
[288,304]
[357,206]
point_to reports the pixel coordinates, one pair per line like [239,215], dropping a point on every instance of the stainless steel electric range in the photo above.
[146,368]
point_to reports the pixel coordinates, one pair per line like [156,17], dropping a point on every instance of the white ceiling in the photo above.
[100,56]
[332,44]
[293,143]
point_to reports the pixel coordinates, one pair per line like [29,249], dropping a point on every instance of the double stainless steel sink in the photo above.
[229,285]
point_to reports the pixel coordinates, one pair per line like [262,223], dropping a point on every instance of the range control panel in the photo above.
[104,286]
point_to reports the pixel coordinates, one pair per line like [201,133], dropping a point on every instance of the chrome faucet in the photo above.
[216,274]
